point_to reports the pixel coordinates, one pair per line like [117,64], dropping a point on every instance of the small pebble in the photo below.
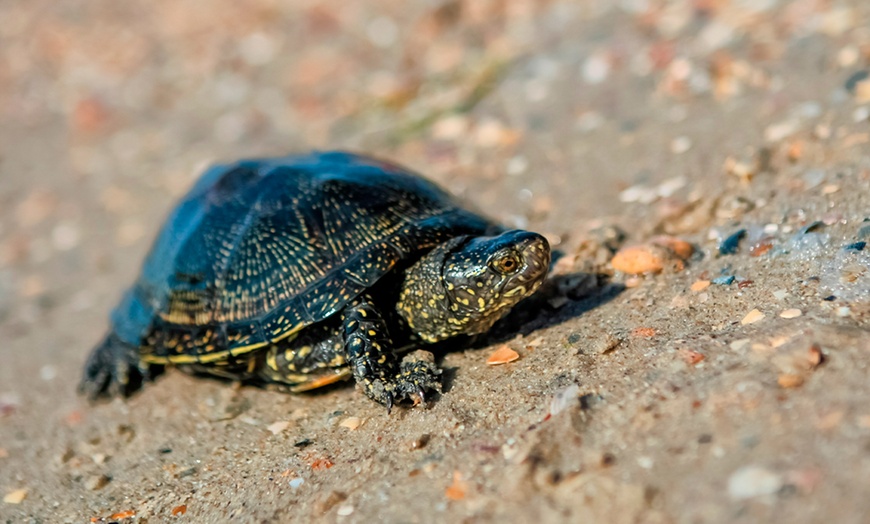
[724,281]
[732,242]
[788,380]
[680,145]
[186,472]
[502,355]
[517,165]
[752,317]
[382,32]
[257,49]
[753,481]
[565,399]
[856,246]
[296,483]
[678,246]
[65,236]
[633,282]
[700,285]
[643,332]
[780,130]
[813,177]
[278,427]
[691,357]
[812,226]
[351,423]
[791,313]
[456,491]
[596,68]
[606,344]
[47,373]
[856,78]
[848,57]
[637,260]
[451,127]
[421,441]
[15,497]
[345,510]
[96,482]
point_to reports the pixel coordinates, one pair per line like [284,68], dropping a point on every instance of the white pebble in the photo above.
[489,132]
[564,399]
[525,195]
[278,427]
[670,186]
[64,237]
[680,145]
[296,483]
[781,130]
[344,510]
[813,177]
[257,49]
[780,294]
[517,165]
[753,481]
[47,373]
[382,32]
[451,127]
[596,68]
[848,56]
[791,313]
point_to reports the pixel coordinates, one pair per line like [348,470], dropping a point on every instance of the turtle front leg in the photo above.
[383,377]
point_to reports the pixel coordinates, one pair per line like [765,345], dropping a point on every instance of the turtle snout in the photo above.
[534,251]
[536,256]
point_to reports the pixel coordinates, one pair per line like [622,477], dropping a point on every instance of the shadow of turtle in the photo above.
[561,298]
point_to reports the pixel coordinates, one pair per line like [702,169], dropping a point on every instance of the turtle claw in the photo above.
[419,397]
[110,372]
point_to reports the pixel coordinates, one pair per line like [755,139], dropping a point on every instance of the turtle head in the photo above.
[465,285]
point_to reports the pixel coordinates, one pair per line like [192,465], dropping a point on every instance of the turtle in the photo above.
[297,272]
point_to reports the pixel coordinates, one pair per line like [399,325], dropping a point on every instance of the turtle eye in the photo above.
[506,263]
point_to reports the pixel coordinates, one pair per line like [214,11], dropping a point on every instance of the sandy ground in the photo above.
[730,387]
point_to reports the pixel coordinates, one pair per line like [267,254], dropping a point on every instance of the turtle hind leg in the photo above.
[112,369]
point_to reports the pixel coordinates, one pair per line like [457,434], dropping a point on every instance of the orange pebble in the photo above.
[502,355]
[636,260]
[680,247]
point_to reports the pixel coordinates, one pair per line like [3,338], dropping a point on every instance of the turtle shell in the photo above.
[260,249]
